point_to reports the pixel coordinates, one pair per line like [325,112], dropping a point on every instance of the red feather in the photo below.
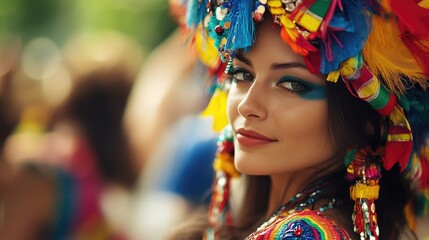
[417,49]
[411,17]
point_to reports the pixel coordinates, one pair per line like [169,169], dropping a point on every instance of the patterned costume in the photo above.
[301,224]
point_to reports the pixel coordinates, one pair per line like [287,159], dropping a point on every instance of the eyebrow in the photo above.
[240,57]
[274,66]
[277,66]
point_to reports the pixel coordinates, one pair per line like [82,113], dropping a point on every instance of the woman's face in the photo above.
[277,108]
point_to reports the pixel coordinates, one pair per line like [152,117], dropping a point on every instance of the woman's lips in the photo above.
[252,139]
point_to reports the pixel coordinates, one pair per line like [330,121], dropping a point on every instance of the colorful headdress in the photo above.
[380,49]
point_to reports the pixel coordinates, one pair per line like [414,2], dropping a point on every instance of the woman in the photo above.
[322,117]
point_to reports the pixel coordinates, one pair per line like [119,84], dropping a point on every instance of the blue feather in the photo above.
[196,11]
[349,29]
[242,31]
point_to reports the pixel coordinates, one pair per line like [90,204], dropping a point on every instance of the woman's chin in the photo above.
[245,167]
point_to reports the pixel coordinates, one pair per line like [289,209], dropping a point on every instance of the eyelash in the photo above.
[235,71]
[292,80]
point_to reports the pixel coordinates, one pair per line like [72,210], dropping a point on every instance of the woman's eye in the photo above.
[292,85]
[240,74]
[302,88]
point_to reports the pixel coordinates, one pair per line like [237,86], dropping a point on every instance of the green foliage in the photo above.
[147,21]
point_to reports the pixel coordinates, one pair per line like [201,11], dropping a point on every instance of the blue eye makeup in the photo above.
[304,89]
[292,84]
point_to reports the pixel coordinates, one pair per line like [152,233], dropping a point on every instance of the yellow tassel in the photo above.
[387,56]
[364,191]
[348,68]
[225,162]
[333,76]
[398,117]
[287,23]
[217,110]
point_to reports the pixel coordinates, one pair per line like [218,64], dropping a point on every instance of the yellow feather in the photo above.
[386,56]
[206,48]
[217,110]
[424,4]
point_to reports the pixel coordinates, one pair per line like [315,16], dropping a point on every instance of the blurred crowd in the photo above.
[97,134]
[63,145]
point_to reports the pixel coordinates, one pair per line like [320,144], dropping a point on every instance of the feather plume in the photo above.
[412,17]
[197,10]
[418,49]
[386,56]
[242,31]
[217,109]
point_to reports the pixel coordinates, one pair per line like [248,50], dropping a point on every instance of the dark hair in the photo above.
[97,105]
[354,122]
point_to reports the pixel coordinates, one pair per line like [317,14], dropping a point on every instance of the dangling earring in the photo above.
[364,171]
[219,212]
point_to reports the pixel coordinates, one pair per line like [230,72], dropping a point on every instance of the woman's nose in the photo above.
[253,105]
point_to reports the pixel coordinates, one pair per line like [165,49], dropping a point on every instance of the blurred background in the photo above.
[146,21]
[36,32]
[94,96]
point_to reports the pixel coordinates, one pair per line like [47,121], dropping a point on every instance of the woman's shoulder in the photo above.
[301,224]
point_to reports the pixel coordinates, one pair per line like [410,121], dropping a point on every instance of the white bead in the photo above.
[220,15]
[222,181]
[364,207]
[290,7]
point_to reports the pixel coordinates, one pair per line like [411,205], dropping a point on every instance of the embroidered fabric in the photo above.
[300,224]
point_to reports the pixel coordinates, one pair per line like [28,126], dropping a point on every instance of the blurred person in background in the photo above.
[82,177]
[9,113]
[163,118]
[12,109]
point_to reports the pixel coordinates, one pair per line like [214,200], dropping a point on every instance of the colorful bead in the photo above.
[258,16]
[364,170]
[219,29]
